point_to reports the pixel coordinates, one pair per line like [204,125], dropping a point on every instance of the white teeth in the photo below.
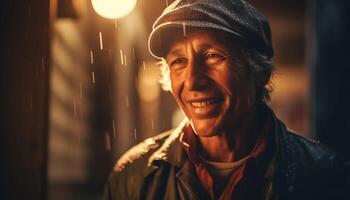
[200,104]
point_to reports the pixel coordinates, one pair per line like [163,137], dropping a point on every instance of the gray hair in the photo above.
[262,68]
[164,81]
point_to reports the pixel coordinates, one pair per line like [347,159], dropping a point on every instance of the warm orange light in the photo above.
[148,84]
[113,9]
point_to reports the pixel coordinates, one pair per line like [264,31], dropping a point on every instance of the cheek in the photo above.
[226,80]
[176,86]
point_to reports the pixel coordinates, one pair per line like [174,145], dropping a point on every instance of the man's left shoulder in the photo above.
[317,168]
[132,167]
[140,152]
[313,155]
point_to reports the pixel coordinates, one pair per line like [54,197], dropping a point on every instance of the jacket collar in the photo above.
[171,149]
[282,165]
[282,170]
[285,154]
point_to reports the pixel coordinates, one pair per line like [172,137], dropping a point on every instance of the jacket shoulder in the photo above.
[128,173]
[140,151]
[314,154]
[315,167]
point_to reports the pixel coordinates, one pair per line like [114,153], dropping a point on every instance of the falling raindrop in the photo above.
[93,77]
[135,134]
[125,60]
[116,24]
[91,57]
[80,116]
[107,141]
[30,11]
[184,28]
[101,41]
[75,109]
[127,101]
[113,123]
[166,3]
[121,57]
[152,124]
[144,65]
[133,54]
[43,63]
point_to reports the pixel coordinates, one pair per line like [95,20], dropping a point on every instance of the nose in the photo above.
[196,78]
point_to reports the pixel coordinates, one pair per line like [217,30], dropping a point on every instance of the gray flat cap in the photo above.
[235,17]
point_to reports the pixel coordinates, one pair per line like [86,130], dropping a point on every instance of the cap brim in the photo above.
[156,41]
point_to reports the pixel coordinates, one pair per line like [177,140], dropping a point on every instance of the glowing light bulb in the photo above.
[113,9]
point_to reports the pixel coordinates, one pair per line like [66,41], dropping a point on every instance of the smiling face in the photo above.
[208,83]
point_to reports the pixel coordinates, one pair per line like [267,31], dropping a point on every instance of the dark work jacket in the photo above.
[158,168]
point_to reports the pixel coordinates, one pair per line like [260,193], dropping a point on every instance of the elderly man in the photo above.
[217,55]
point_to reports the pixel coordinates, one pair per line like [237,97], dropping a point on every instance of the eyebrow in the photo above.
[178,51]
[206,46]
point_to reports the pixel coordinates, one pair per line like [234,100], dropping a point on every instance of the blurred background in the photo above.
[79,87]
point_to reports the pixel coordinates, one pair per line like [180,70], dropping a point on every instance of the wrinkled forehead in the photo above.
[173,37]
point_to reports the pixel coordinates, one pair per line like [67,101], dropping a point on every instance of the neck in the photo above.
[232,144]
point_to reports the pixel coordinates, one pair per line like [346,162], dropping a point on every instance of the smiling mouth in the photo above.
[204,103]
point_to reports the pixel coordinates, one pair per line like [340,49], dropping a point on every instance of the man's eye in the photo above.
[214,55]
[178,62]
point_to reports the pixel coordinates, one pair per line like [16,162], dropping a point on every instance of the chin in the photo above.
[206,127]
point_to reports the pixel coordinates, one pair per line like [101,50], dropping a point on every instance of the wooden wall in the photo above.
[24,98]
